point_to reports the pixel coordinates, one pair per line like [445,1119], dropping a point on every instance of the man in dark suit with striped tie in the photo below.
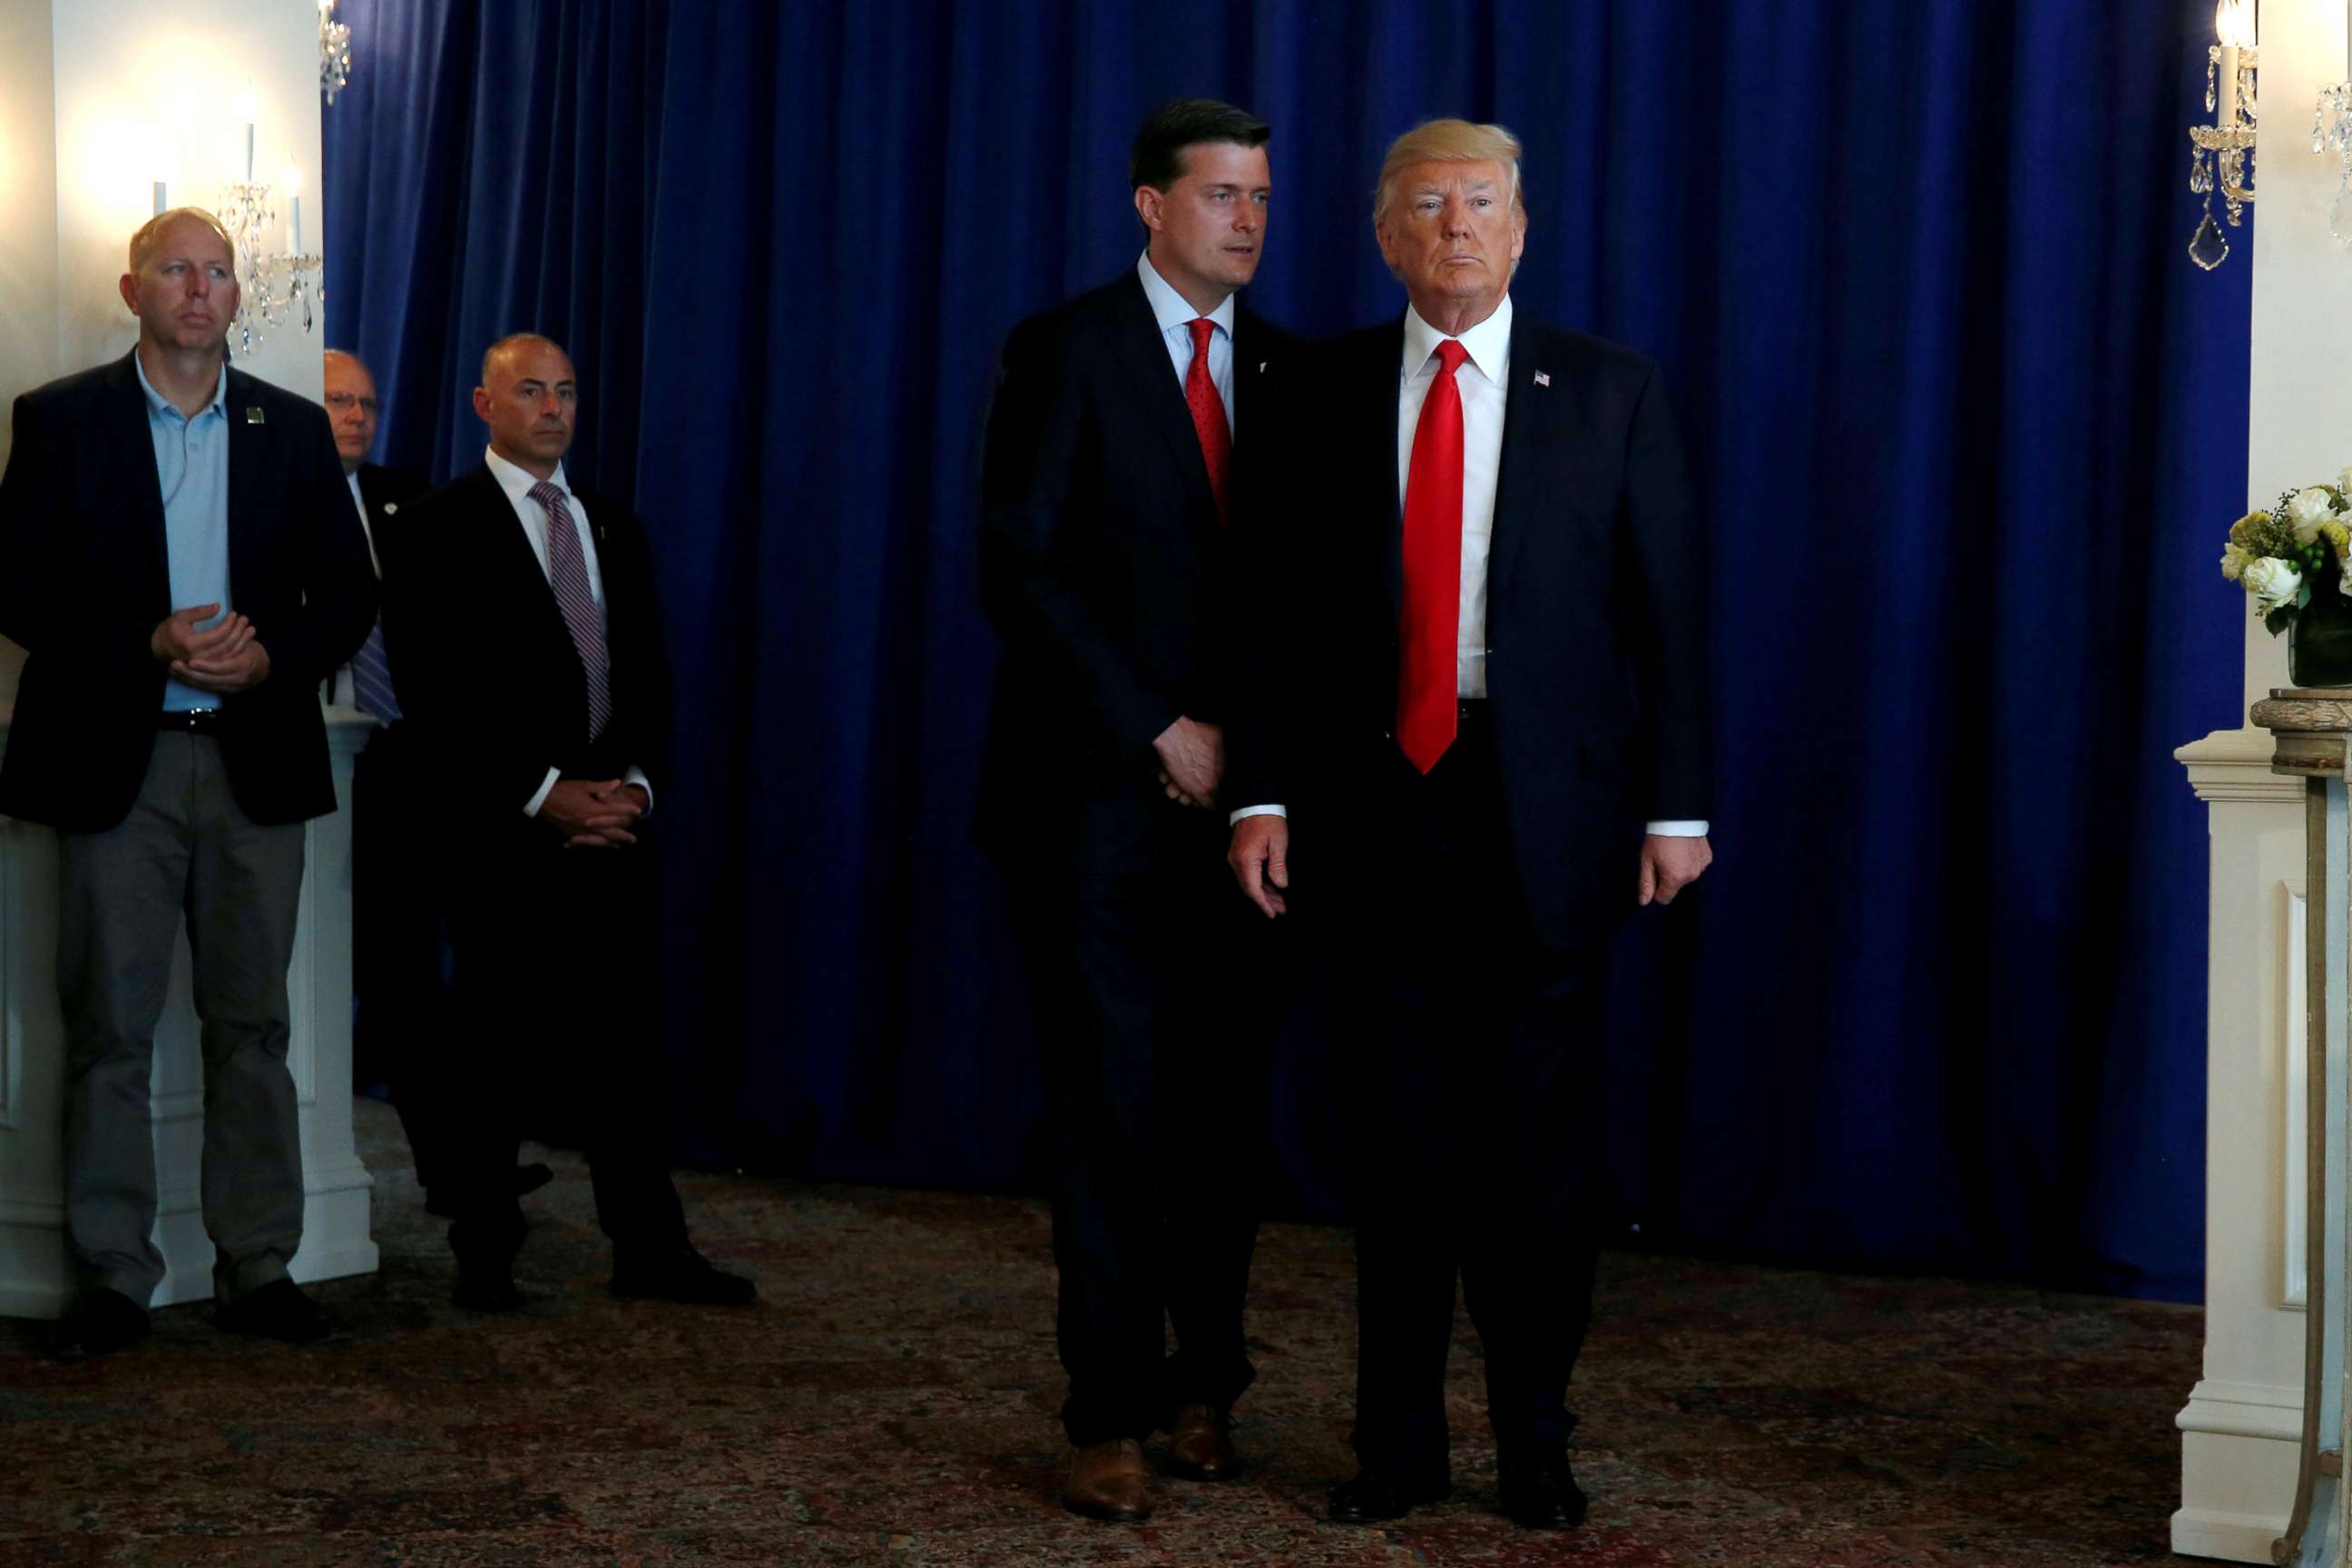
[396,891]
[520,616]
[1119,468]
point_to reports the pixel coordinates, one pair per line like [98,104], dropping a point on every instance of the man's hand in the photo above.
[1259,857]
[1670,864]
[223,658]
[1192,761]
[593,815]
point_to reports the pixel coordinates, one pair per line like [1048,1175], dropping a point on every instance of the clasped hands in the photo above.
[594,815]
[223,659]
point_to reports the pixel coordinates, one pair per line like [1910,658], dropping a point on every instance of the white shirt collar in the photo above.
[517,482]
[1171,310]
[1488,344]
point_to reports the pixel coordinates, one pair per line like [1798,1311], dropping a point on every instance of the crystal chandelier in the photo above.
[334,51]
[2223,154]
[273,289]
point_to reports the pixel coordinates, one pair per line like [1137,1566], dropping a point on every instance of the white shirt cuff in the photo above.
[1255,811]
[1691,829]
[531,808]
[637,777]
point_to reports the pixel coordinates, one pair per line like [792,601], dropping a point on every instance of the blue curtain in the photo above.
[1967,422]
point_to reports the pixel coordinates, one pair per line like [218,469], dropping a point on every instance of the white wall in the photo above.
[2243,1426]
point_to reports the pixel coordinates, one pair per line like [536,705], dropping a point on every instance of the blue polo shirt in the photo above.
[192,467]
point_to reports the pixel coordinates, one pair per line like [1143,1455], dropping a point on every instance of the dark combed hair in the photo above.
[1158,160]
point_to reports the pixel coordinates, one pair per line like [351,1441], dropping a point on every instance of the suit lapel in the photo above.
[1532,412]
[1377,418]
[127,410]
[249,458]
[1142,354]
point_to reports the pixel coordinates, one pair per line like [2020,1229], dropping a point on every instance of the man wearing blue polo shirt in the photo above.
[180,560]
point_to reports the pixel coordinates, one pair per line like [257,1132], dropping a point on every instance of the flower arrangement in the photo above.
[2281,557]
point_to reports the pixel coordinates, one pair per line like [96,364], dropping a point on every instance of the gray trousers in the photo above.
[184,849]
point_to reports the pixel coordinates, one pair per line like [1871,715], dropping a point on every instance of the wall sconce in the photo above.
[2223,154]
[334,51]
[274,288]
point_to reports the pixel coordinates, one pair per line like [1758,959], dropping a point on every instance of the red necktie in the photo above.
[1426,690]
[1209,416]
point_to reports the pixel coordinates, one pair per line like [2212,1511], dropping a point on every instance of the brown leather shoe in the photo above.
[1201,1444]
[1108,1480]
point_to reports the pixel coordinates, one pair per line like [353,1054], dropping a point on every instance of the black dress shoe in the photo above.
[678,1273]
[279,1311]
[483,1287]
[1541,1493]
[1375,1498]
[100,1322]
[528,1179]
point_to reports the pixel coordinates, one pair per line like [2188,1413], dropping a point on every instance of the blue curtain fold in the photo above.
[1967,422]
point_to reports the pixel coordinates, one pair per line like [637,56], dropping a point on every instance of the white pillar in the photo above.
[2242,1425]
[98,101]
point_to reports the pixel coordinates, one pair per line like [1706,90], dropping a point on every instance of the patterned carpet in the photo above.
[891,1401]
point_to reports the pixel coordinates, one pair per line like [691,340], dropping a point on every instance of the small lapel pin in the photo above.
[1543,378]
[390,507]
[1261,367]
[253,415]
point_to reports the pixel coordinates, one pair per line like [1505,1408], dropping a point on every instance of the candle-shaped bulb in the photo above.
[2233,23]
[291,177]
[160,205]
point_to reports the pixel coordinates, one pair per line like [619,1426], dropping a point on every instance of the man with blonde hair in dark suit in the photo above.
[1487,720]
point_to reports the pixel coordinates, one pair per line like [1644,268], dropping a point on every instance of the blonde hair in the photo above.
[151,234]
[1449,142]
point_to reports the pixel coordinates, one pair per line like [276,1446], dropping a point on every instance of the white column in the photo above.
[99,99]
[2244,1421]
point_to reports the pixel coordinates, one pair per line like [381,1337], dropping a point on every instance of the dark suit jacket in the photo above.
[486,668]
[382,492]
[1102,559]
[1595,623]
[85,580]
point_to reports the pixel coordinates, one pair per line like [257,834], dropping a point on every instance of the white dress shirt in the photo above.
[1175,315]
[1483,381]
[342,683]
[517,483]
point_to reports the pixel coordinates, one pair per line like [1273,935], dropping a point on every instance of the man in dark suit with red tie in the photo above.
[1120,460]
[520,616]
[1486,719]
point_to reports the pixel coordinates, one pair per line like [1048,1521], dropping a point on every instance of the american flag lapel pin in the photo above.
[1543,378]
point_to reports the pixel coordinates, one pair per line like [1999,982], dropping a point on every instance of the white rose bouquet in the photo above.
[2298,548]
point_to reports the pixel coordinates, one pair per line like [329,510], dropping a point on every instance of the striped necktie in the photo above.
[372,678]
[567,573]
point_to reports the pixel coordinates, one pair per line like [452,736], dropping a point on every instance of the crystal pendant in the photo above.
[2208,247]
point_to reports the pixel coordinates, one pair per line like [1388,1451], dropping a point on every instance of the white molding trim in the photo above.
[2235,764]
[2264,1410]
[2232,1537]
